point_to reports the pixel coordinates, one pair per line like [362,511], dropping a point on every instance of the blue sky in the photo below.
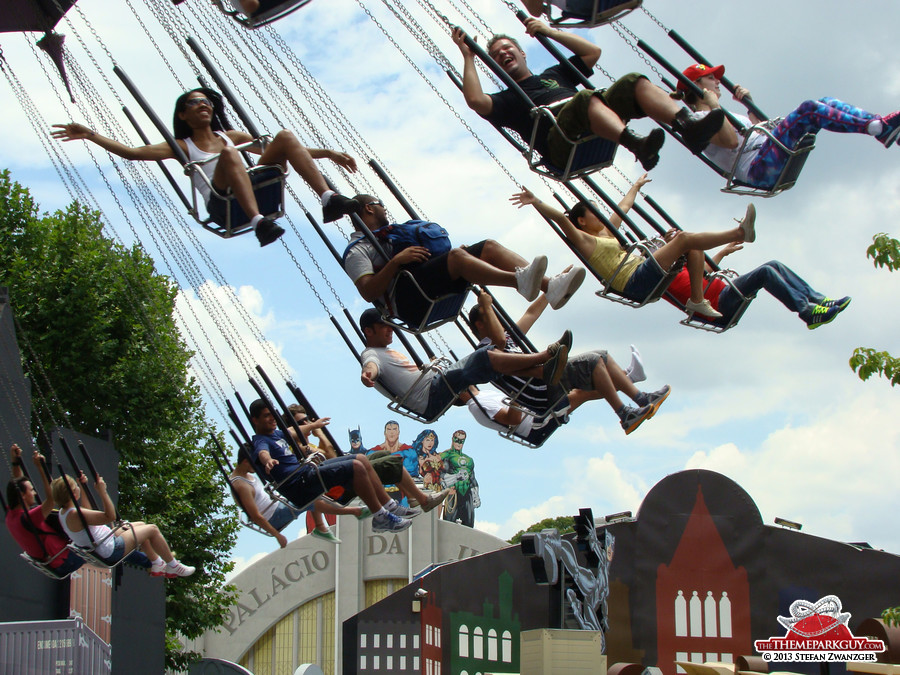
[769,404]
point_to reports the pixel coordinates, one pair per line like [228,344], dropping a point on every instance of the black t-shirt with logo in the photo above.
[554,84]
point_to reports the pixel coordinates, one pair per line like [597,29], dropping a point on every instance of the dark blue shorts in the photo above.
[644,280]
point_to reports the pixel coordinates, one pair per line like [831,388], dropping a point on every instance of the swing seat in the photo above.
[546,426]
[268,187]
[269,11]
[440,310]
[589,153]
[789,173]
[604,12]
[646,250]
[514,395]
[398,401]
[44,567]
[87,553]
[722,324]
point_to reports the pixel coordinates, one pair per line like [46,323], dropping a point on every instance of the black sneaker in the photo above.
[695,129]
[338,206]
[655,398]
[268,231]
[840,302]
[632,417]
[891,129]
[821,315]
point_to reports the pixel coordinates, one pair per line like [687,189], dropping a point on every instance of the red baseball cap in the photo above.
[698,70]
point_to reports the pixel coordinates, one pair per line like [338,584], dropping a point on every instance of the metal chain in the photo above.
[621,29]
[653,18]
[155,44]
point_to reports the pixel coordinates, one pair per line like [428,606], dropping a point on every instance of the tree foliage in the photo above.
[99,320]
[866,361]
[564,524]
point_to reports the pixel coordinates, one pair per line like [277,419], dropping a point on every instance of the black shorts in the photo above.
[433,276]
[218,207]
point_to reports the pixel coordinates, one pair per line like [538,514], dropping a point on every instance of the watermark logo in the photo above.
[818,632]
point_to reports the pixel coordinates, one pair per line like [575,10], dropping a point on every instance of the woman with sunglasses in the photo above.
[201,131]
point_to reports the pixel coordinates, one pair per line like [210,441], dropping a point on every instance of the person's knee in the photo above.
[807,106]
[490,246]
[230,157]
[285,136]
[457,255]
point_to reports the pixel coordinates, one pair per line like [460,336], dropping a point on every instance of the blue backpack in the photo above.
[412,233]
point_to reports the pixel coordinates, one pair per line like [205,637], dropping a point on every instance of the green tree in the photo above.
[564,524]
[866,361]
[99,320]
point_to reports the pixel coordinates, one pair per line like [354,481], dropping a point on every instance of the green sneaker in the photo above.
[364,513]
[327,536]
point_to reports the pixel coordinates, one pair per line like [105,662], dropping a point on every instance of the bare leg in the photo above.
[231,173]
[683,242]
[249,6]
[376,489]
[149,539]
[528,365]
[410,489]
[286,148]
[619,379]
[658,105]
[604,122]
[331,508]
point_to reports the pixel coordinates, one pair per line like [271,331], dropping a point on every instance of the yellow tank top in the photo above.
[607,256]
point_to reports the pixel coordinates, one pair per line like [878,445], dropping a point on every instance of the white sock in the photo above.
[172,562]
[635,371]
[254,221]
[326,196]
[875,127]
[391,505]
[158,561]
[381,512]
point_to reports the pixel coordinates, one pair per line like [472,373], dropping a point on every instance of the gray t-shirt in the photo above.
[491,403]
[361,258]
[397,375]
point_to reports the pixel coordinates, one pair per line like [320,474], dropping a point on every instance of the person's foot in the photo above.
[631,417]
[268,231]
[556,364]
[697,129]
[326,535]
[819,316]
[338,206]
[388,522]
[891,128]
[158,569]
[703,307]
[644,148]
[840,302]
[635,370]
[529,278]
[563,286]
[747,224]
[655,398]
[364,513]
[178,569]
[403,511]
[434,500]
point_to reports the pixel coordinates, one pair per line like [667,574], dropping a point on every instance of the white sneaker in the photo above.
[529,278]
[747,224]
[703,308]
[563,286]
[635,370]
[388,522]
[179,569]
[158,569]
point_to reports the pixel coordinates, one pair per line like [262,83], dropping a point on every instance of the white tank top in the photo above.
[80,538]
[195,154]
[264,503]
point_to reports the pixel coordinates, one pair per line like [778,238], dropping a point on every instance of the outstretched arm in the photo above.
[79,132]
[339,158]
[728,249]
[588,51]
[47,505]
[369,373]
[628,200]
[534,311]
[584,242]
[475,97]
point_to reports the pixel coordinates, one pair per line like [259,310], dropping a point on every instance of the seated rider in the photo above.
[273,516]
[314,427]
[428,394]
[583,9]
[778,279]
[604,113]
[301,482]
[761,160]
[588,376]
[638,276]
[27,521]
[198,130]
[486,262]
[108,545]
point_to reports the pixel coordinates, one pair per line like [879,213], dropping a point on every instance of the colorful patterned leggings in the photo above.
[809,117]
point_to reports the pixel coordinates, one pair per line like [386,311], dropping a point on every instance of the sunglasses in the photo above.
[375,203]
[194,102]
[457,439]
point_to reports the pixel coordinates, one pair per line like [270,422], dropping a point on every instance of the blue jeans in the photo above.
[283,516]
[779,280]
[474,368]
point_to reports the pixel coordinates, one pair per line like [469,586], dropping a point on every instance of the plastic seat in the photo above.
[441,310]
[269,11]
[604,12]
[722,324]
[645,248]
[789,173]
[268,187]
[398,401]
[589,153]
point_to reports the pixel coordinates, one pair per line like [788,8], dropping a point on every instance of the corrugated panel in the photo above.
[65,647]
[90,598]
